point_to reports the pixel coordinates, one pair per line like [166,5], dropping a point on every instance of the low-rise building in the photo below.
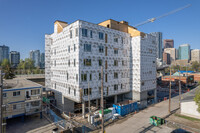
[21,97]
[189,79]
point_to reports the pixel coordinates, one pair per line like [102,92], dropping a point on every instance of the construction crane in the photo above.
[164,15]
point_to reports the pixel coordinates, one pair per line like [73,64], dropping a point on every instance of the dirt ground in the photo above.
[186,122]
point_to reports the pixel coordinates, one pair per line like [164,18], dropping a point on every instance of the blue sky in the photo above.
[24,22]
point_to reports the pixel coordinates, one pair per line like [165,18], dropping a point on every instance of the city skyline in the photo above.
[28,34]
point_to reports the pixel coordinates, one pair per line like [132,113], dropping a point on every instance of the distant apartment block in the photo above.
[35,56]
[21,98]
[14,58]
[4,53]
[172,54]
[42,60]
[168,43]
[184,52]
[75,52]
[195,55]
[159,43]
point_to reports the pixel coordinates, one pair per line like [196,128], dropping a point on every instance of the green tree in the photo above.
[197,99]
[7,69]
[195,66]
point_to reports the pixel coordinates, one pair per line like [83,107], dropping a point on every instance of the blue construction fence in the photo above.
[126,109]
[56,118]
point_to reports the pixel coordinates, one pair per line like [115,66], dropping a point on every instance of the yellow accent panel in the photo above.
[122,26]
[60,25]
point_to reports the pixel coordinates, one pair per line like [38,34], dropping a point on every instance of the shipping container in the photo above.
[126,107]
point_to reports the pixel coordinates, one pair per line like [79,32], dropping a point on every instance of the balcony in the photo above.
[33,98]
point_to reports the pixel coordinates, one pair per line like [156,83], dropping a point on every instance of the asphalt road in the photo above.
[139,123]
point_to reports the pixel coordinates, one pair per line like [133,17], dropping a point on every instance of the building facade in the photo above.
[4,53]
[14,58]
[159,43]
[35,56]
[195,55]
[172,54]
[75,53]
[168,43]
[184,52]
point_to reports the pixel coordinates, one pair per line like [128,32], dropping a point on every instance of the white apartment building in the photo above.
[75,52]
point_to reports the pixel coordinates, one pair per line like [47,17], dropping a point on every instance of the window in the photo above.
[35,92]
[70,33]
[55,63]
[115,75]
[74,62]
[16,93]
[74,92]
[122,39]
[76,31]
[87,48]
[87,62]
[14,107]
[91,34]
[101,35]
[86,91]
[121,86]
[67,76]
[69,63]
[99,90]
[106,77]
[142,83]
[84,32]
[90,77]
[115,51]
[124,63]
[115,39]
[115,63]
[101,49]
[115,87]
[69,90]
[100,62]
[74,47]
[83,77]
[99,76]
[4,95]
[69,49]
[35,103]
[76,77]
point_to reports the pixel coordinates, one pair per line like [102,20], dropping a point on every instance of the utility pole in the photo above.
[2,122]
[170,84]
[186,77]
[1,102]
[102,102]
[89,102]
[179,89]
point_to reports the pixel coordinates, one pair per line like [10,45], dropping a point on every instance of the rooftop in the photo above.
[17,83]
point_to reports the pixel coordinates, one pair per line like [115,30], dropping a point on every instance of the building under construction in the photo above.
[75,53]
